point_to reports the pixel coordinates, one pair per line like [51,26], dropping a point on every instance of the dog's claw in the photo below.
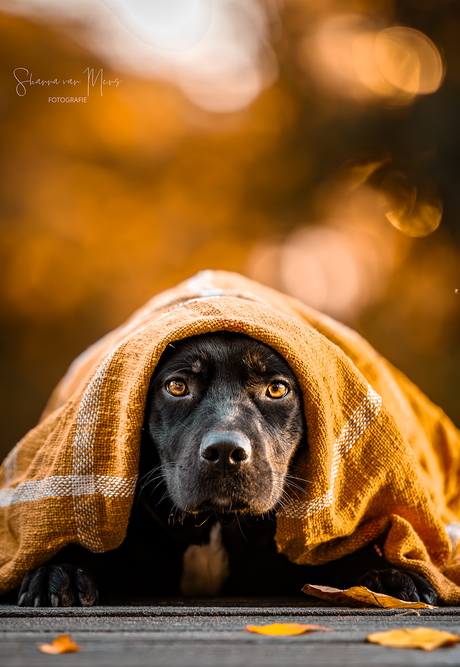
[86,601]
[37,601]
[67,600]
[54,600]
[22,599]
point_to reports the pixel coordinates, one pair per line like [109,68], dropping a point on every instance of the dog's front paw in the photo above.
[57,586]
[400,584]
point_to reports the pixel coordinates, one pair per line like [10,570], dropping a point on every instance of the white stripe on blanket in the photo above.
[85,512]
[360,420]
[60,486]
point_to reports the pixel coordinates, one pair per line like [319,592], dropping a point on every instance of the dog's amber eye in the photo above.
[177,388]
[277,390]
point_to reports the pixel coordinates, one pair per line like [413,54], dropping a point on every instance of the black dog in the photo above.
[224,421]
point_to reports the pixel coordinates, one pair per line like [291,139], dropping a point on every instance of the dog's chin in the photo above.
[222,504]
[228,496]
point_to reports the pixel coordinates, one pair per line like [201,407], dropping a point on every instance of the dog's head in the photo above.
[225,416]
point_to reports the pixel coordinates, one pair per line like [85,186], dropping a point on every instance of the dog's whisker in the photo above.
[158,485]
[150,475]
[295,487]
[158,479]
[300,479]
[289,474]
[152,479]
[239,526]
[203,522]
[163,497]
[141,490]
[285,500]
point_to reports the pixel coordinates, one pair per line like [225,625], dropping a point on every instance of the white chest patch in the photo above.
[205,568]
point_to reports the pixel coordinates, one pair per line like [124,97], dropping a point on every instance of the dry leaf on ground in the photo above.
[424,638]
[62,644]
[361,597]
[285,628]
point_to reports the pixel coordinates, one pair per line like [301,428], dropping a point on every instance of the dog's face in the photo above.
[225,416]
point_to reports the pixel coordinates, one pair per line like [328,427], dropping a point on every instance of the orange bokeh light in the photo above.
[349,55]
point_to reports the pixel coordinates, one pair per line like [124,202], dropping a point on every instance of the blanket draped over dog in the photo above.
[381,458]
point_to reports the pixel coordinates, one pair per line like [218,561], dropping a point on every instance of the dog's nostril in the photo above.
[225,450]
[239,454]
[210,454]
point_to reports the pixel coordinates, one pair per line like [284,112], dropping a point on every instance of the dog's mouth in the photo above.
[225,501]
[222,504]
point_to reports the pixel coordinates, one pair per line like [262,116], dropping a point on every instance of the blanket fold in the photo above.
[380,456]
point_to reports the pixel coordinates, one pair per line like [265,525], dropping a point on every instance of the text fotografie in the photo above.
[25,78]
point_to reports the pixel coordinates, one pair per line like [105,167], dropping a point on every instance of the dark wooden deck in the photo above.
[202,633]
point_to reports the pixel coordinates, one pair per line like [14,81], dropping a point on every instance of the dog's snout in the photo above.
[225,450]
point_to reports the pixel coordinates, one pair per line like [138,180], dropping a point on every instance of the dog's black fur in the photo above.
[223,423]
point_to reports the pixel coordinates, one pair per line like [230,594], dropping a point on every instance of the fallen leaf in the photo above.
[361,597]
[410,612]
[62,644]
[424,638]
[285,628]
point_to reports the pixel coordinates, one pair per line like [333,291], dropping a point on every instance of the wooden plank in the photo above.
[200,633]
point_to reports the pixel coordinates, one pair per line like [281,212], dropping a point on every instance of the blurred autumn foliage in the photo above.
[337,183]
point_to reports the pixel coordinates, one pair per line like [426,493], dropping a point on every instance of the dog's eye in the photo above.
[177,388]
[277,390]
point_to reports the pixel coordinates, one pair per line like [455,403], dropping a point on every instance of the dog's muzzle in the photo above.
[225,451]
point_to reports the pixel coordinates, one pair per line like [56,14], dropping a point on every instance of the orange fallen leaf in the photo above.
[62,644]
[424,638]
[361,597]
[285,628]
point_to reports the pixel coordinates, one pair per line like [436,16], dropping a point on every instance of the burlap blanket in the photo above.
[380,457]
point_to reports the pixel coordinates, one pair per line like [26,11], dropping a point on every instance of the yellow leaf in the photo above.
[285,628]
[424,638]
[361,597]
[62,644]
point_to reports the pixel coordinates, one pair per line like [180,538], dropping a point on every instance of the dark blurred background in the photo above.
[312,145]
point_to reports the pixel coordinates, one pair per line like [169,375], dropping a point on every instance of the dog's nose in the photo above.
[225,450]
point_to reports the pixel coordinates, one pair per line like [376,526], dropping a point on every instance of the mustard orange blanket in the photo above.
[380,455]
